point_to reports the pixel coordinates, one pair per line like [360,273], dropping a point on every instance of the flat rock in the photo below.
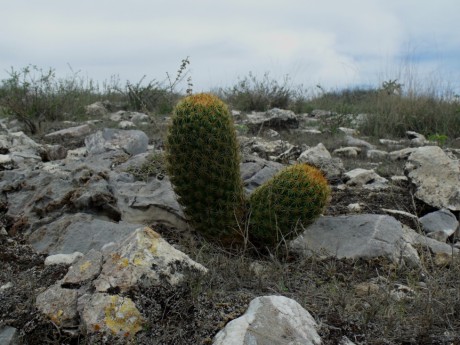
[367,179]
[130,141]
[144,258]
[356,236]
[73,132]
[349,151]
[271,320]
[78,233]
[62,259]
[352,141]
[275,118]
[146,202]
[256,171]
[435,176]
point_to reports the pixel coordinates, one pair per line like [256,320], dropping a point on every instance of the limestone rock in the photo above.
[125,124]
[73,132]
[349,151]
[401,154]
[144,258]
[271,320]
[264,148]
[275,118]
[130,141]
[320,157]
[357,236]
[364,178]
[85,269]
[9,336]
[436,177]
[96,109]
[146,202]
[59,304]
[442,222]
[110,314]
[78,232]
[376,154]
[255,171]
[62,259]
[352,141]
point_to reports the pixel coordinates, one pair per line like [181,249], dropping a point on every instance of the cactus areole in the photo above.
[203,164]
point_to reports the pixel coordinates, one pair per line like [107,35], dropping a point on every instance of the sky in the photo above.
[332,43]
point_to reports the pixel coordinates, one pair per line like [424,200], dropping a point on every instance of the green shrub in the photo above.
[295,196]
[203,164]
[33,96]
[251,93]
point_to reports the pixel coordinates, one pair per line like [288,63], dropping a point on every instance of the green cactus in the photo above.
[203,164]
[296,195]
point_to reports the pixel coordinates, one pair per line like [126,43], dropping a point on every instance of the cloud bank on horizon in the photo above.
[332,43]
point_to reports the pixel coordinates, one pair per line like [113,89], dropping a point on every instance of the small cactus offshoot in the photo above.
[295,196]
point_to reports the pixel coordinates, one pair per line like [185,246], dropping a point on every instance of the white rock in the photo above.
[271,320]
[66,259]
[144,258]
[436,177]
[367,179]
[126,124]
[349,151]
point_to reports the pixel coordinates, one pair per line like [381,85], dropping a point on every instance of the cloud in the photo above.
[332,42]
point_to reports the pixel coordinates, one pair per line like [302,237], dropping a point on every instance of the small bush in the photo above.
[34,95]
[253,94]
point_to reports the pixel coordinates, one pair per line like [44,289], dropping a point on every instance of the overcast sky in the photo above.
[334,43]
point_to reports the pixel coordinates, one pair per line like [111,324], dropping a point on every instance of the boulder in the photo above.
[435,176]
[256,171]
[111,315]
[441,224]
[271,320]
[352,141]
[416,139]
[264,148]
[144,259]
[59,304]
[9,336]
[320,157]
[78,233]
[402,154]
[376,154]
[357,236]
[364,178]
[349,151]
[275,118]
[85,269]
[132,142]
[97,109]
[145,202]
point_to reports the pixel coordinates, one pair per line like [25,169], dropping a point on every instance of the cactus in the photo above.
[296,195]
[203,164]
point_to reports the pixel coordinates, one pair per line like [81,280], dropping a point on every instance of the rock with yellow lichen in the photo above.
[144,258]
[110,314]
[59,305]
[84,269]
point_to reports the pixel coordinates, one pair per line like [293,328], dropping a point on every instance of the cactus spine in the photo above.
[296,195]
[203,164]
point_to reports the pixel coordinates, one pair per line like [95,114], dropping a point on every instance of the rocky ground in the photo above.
[380,267]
